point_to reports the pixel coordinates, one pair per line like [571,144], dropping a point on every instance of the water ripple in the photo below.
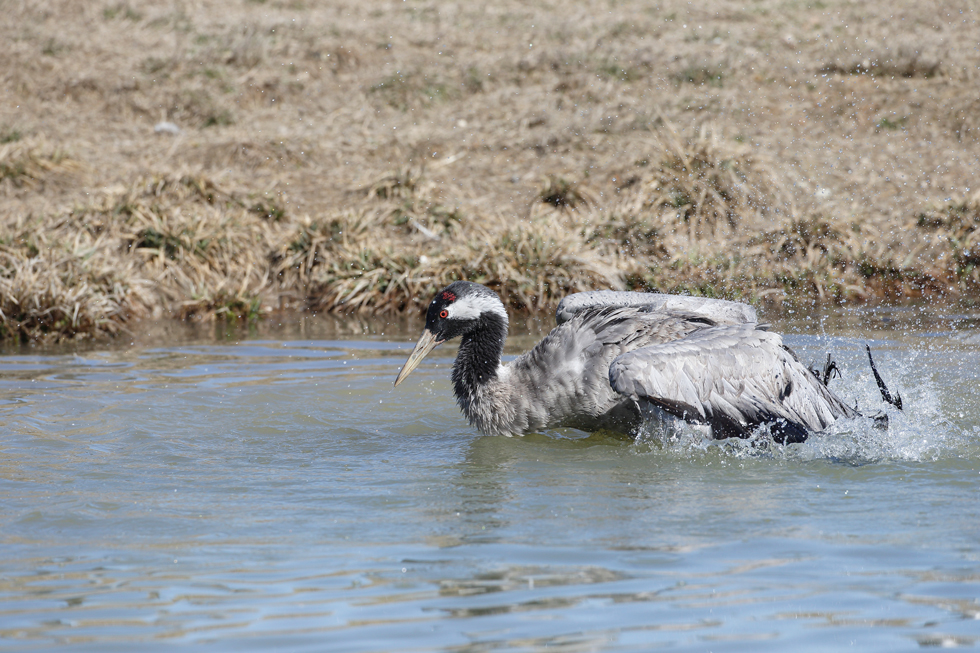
[281,495]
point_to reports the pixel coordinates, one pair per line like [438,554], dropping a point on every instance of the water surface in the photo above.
[268,489]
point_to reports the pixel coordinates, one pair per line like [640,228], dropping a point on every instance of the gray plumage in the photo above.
[718,311]
[733,377]
[615,356]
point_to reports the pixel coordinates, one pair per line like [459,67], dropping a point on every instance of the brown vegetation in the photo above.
[201,159]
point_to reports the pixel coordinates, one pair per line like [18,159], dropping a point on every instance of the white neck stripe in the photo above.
[471,307]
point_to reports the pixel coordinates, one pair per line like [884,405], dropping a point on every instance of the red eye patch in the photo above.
[444,314]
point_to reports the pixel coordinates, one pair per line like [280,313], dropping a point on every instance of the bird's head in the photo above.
[459,309]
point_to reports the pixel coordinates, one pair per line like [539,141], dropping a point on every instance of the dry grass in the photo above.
[26,165]
[356,156]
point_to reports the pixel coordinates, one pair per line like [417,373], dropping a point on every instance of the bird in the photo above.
[617,357]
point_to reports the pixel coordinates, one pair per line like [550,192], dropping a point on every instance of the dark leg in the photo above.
[897,400]
[827,373]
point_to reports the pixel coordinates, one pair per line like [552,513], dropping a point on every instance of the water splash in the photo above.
[924,431]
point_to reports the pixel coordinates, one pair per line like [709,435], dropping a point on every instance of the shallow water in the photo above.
[269,490]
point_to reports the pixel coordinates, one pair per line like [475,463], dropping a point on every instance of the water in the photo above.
[269,490]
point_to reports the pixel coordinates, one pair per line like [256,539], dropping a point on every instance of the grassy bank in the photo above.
[357,157]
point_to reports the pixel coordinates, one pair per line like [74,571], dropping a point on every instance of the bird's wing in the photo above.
[733,377]
[718,311]
[567,373]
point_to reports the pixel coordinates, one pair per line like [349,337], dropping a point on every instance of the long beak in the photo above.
[427,342]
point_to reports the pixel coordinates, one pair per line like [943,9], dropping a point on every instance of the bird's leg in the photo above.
[828,370]
[897,400]
[827,373]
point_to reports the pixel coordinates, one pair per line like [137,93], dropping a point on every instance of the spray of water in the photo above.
[920,432]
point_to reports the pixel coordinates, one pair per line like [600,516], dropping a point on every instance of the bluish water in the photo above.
[275,493]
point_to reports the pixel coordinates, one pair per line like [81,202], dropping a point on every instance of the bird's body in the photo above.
[616,356]
[564,379]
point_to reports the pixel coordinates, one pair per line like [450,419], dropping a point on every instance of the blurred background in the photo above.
[206,159]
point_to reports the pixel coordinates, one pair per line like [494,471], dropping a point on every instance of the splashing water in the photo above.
[920,432]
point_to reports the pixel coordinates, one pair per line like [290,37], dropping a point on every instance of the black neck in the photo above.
[479,354]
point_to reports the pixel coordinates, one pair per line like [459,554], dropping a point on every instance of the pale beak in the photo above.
[427,342]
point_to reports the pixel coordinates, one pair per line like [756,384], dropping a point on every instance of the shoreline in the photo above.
[228,162]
